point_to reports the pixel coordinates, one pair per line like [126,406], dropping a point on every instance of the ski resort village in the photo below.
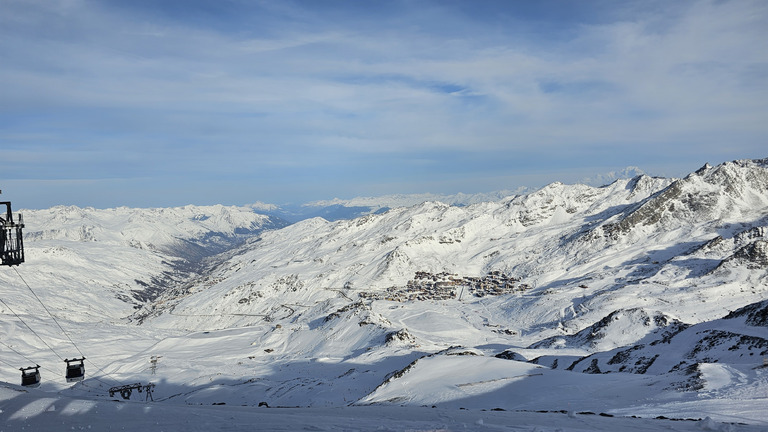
[638,305]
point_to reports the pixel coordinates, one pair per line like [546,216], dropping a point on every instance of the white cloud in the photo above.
[289,86]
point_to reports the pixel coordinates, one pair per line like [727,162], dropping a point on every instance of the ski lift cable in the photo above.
[43,341]
[49,313]
[20,354]
[25,358]
[13,366]
[63,331]
[39,337]
[31,329]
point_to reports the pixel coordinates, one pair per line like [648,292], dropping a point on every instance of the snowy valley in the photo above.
[571,307]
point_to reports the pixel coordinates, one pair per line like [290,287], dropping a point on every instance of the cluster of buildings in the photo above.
[447,286]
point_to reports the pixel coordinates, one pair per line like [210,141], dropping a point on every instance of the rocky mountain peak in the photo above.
[732,190]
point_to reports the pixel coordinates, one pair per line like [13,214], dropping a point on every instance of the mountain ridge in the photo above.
[323,313]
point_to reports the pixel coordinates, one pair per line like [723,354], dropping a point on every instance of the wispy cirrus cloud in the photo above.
[283,93]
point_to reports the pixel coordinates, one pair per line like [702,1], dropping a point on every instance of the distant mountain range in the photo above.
[338,209]
[657,286]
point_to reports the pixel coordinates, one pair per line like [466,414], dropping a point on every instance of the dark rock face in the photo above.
[717,339]
[755,314]
[683,201]
[687,347]
[402,336]
[639,365]
[593,368]
[511,355]
[755,253]
[666,327]
[693,380]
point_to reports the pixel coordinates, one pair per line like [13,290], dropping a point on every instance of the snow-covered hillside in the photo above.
[107,262]
[644,297]
[162,229]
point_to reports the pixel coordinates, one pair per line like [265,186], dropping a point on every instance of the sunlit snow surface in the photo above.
[627,288]
[37,410]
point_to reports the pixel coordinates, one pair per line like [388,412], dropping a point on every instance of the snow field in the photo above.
[283,319]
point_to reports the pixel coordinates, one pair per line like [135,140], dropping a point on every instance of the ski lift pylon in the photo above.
[30,376]
[75,371]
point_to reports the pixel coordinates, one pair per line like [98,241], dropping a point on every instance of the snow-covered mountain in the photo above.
[213,228]
[643,297]
[588,250]
[338,209]
[124,257]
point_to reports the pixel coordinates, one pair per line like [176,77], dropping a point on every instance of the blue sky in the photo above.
[151,103]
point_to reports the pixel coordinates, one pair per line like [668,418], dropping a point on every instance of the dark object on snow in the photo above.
[11,242]
[30,377]
[75,371]
[126,390]
[511,355]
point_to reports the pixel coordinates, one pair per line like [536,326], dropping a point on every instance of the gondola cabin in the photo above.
[30,377]
[11,242]
[75,371]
